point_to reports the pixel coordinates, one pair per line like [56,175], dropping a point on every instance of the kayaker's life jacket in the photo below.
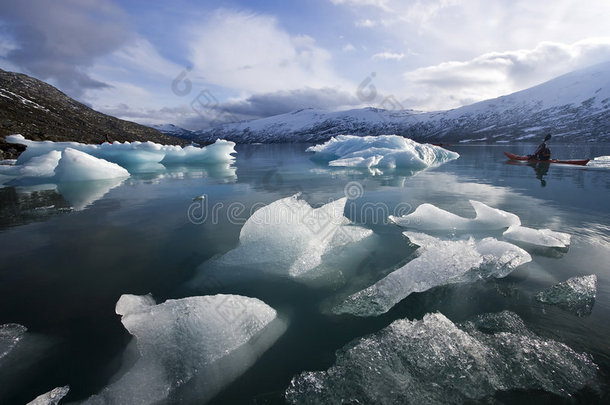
[544,154]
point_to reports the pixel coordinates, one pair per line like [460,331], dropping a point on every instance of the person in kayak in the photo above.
[543,152]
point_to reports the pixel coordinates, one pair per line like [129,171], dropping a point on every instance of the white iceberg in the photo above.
[440,262]
[290,237]
[10,335]
[218,152]
[576,294]
[130,153]
[391,151]
[435,361]
[428,217]
[75,165]
[203,342]
[537,237]
[52,397]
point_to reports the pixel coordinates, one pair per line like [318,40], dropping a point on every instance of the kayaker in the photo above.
[543,152]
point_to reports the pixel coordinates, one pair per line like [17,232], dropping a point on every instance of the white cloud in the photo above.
[453,84]
[442,30]
[367,23]
[389,55]
[252,53]
[349,48]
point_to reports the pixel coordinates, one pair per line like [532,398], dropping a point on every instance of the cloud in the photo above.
[264,105]
[204,109]
[250,52]
[366,23]
[59,41]
[389,55]
[453,84]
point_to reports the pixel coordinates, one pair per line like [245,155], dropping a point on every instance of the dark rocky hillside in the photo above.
[39,111]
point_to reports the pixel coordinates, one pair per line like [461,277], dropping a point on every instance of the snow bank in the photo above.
[380,151]
[52,397]
[204,342]
[537,237]
[428,217]
[10,335]
[576,294]
[290,237]
[440,262]
[435,361]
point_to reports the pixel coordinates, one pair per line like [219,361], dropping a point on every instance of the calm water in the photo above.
[63,269]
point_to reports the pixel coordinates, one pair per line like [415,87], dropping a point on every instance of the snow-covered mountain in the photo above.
[573,107]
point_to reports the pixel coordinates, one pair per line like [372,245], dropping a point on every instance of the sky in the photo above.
[200,63]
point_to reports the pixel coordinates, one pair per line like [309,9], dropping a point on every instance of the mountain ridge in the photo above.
[573,107]
[39,111]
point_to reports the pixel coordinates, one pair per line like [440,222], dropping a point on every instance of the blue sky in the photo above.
[196,63]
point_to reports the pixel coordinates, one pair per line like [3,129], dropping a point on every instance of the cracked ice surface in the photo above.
[440,262]
[576,294]
[435,361]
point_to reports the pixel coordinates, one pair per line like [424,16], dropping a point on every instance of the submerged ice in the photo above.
[52,397]
[577,294]
[435,361]
[290,237]
[10,335]
[380,151]
[208,339]
[428,217]
[439,262]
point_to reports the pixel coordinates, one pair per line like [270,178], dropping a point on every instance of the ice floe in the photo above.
[439,262]
[203,342]
[537,237]
[10,335]
[389,151]
[73,161]
[435,361]
[600,161]
[289,237]
[428,217]
[52,397]
[576,294]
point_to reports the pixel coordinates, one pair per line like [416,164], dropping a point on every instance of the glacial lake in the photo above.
[69,252]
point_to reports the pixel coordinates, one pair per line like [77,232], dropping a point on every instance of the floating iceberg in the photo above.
[45,160]
[218,152]
[428,217]
[199,342]
[131,153]
[434,361]
[52,397]
[440,262]
[380,151]
[600,161]
[577,294]
[537,237]
[10,335]
[290,237]
[75,165]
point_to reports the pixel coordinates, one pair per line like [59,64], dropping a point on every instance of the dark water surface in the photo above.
[70,252]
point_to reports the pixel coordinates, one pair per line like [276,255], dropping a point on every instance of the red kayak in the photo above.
[582,162]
